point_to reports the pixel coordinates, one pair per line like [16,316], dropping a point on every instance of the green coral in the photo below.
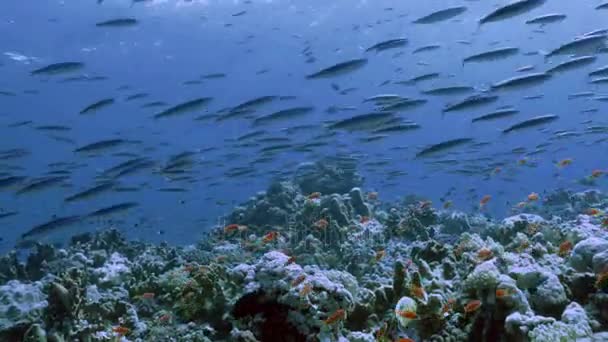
[398,279]
[196,292]
[20,304]
[555,332]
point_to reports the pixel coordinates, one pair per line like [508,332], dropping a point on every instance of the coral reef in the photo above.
[293,264]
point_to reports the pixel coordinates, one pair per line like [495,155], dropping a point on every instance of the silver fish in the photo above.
[511,10]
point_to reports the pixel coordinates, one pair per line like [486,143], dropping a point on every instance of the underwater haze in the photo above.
[268,129]
[232,52]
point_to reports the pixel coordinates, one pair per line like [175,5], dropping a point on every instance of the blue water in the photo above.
[177,41]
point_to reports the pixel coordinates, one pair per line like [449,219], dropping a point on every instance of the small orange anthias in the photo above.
[564,248]
[407,314]
[448,306]
[593,212]
[533,197]
[120,330]
[418,291]
[322,224]
[148,295]
[405,339]
[337,316]
[485,254]
[484,200]
[271,236]
[231,228]
[425,204]
[501,293]
[472,306]
[306,290]
[597,173]
[164,318]
[299,279]
[564,162]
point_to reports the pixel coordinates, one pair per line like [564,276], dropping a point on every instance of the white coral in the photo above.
[20,303]
[484,276]
[114,270]
[583,252]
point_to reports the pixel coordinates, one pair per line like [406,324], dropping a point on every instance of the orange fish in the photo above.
[337,316]
[372,196]
[307,289]
[405,339]
[418,291]
[314,195]
[231,228]
[597,173]
[593,212]
[501,293]
[271,236]
[472,306]
[322,224]
[564,248]
[484,200]
[148,295]
[522,161]
[425,204]
[299,279]
[485,254]
[120,330]
[533,197]
[364,219]
[407,314]
[380,254]
[564,162]
[164,318]
[447,307]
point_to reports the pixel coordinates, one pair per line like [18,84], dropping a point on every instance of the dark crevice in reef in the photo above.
[275,326]
[488,327]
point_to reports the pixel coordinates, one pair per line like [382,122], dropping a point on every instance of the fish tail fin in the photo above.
[545,54]
[478,28]
[483,88]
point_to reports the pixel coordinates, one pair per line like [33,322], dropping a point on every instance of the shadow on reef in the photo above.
[275,326]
